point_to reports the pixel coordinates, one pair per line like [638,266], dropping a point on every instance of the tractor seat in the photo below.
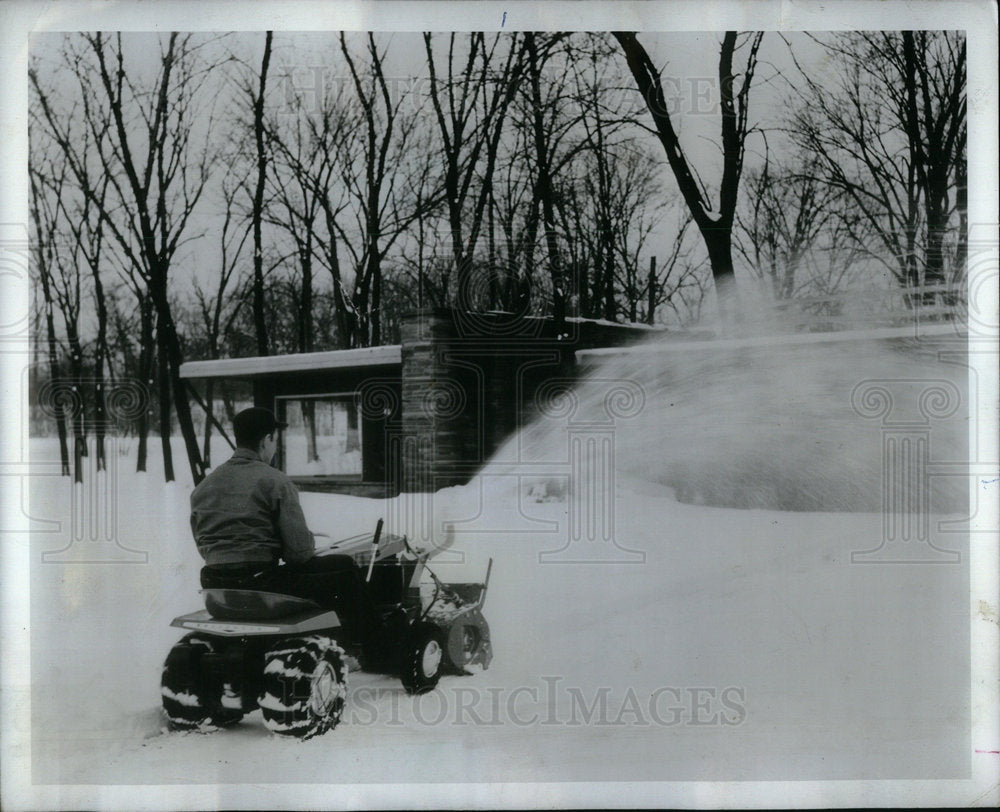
[250,604]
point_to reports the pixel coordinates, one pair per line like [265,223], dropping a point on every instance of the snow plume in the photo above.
[801,422]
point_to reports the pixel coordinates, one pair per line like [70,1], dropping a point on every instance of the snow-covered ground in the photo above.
[746,645]
[691,581]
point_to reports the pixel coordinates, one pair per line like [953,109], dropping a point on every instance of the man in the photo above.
[247,520]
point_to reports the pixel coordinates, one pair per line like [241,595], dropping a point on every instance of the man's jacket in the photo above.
[246,512]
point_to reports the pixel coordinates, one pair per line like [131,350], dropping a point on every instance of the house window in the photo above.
[323,437]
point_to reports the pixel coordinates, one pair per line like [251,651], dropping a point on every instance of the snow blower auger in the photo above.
[456,609]
[287,656]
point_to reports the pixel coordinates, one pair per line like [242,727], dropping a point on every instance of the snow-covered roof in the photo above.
[681,344]
[657,328]
[635,325]
[389,355]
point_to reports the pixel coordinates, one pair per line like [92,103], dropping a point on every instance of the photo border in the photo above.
[18,19]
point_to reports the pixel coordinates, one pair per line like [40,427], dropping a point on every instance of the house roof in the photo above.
[681,343]
[390,355]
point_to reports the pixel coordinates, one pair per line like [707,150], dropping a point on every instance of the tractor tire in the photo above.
[187,701]
[304,686]
[422,658]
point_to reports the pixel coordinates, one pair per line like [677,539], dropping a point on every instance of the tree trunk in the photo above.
[343,309]
[962,205]
[54,376]
[260,322]
[543,186]
[531,224]
[146,359]
[375,310]
[163,385]
[937,227]
[100,418]
[651,292]
[182,408]
[720,256]
[100,354]
[496,299]
[80,418]
[309,418]
[206,454]
[44,257]
[463,266]
[306,297]
[143,451]
[610,310]
[353,438]
[60,413]
[715,228]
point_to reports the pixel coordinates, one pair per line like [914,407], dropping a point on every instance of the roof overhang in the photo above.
[330,361]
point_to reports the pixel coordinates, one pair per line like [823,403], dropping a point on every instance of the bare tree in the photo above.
[637,211]
[512,225]
[84,223]
[677,281]
[411,282]
[362,180]
[293,206]
[602,202]
[470,101]
[129,321]
[260,325]
[44,215]
[934,74]
[567,121]
[157,176]
[306,196]
[714,222]
[333,136]
[548,127]
[63,283]
[888,127]
[383,201]
[785,213]
[219,308]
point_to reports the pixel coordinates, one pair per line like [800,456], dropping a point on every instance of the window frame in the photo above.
[280,409]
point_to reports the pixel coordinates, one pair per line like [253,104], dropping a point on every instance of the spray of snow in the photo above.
[780,423]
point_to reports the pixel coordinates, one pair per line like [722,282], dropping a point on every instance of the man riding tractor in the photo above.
[250,530]
[280,616]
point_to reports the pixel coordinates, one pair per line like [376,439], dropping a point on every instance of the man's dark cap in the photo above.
[252,425]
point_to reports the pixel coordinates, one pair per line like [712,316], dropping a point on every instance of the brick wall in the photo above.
[469,381]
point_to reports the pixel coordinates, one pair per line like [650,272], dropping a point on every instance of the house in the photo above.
[416,416]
